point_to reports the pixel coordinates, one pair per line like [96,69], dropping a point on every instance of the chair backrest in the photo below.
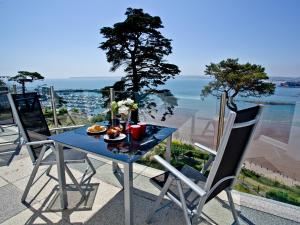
[30,119]
[6,116]
[238,133]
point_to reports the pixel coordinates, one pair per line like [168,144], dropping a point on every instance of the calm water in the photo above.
[182,87]
[187,89]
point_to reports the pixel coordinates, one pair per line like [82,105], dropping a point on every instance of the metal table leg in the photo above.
[61,175]
[128,188]
[168,149]
[115,167]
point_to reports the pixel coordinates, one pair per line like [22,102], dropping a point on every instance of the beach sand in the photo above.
[270,142]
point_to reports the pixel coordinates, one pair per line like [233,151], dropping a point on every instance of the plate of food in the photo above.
[96,129]
[114,134]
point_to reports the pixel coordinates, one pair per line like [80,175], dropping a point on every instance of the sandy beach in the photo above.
[269,149]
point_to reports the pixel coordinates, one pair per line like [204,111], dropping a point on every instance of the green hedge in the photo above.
[284,196]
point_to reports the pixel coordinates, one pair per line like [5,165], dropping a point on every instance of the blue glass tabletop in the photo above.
[128,150]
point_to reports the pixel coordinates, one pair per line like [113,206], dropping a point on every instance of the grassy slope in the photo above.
[249,181]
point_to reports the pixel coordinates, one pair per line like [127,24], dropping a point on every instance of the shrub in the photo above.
[75,110]
[189,155]
[250,173]
[200,155]
[283,196]
[62,111]
[147,159]
[179,148]
[242,188]
[97,118]
[48,113]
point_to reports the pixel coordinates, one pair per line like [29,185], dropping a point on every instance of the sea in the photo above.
[280,107]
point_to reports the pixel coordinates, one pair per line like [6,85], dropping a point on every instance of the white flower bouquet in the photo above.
[124,108]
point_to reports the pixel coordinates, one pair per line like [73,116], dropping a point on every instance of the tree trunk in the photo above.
[135,89]
[135,113]
[23,87]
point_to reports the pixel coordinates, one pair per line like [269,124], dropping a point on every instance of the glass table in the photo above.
[125,152]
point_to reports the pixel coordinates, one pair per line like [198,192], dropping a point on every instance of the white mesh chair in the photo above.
[190,189]
[29,117]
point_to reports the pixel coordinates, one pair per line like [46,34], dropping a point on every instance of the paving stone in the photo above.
[113,213]
[80,210]
[217,212]
[10,202]
[260,218]
[2,182]
[151,172]
[106,174]
[137,168]
[36,215]
[99,158]
[269,206]
[82,166]
[44,184]
[18,169]
[143,183]
[22,154]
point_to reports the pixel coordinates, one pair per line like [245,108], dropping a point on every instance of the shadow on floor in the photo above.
[113,212]
[76,203]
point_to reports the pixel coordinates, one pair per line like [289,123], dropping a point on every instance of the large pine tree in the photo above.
[137,45]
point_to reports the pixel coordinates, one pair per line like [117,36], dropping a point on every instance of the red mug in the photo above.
[135,131]
[143,128]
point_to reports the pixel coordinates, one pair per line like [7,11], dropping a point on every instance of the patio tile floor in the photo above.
[10,202]
[104,204]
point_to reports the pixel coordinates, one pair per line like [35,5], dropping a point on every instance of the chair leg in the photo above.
[91,165]
[48,170]
[232,207]
[160,198]
[183,203]
[115,167]
[74,180]
[32,176]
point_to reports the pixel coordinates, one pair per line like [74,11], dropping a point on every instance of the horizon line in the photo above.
[118,76]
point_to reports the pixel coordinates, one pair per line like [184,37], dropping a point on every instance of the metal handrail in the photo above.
[53,104]
[221,118]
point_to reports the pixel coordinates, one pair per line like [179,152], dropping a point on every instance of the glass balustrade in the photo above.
[272,164]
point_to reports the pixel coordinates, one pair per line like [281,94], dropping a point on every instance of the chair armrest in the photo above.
[180,176]
[66,128]
[40,142]
[206,149]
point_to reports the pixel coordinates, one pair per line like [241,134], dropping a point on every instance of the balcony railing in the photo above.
[271,166]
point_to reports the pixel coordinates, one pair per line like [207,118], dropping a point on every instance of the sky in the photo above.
[60,38]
